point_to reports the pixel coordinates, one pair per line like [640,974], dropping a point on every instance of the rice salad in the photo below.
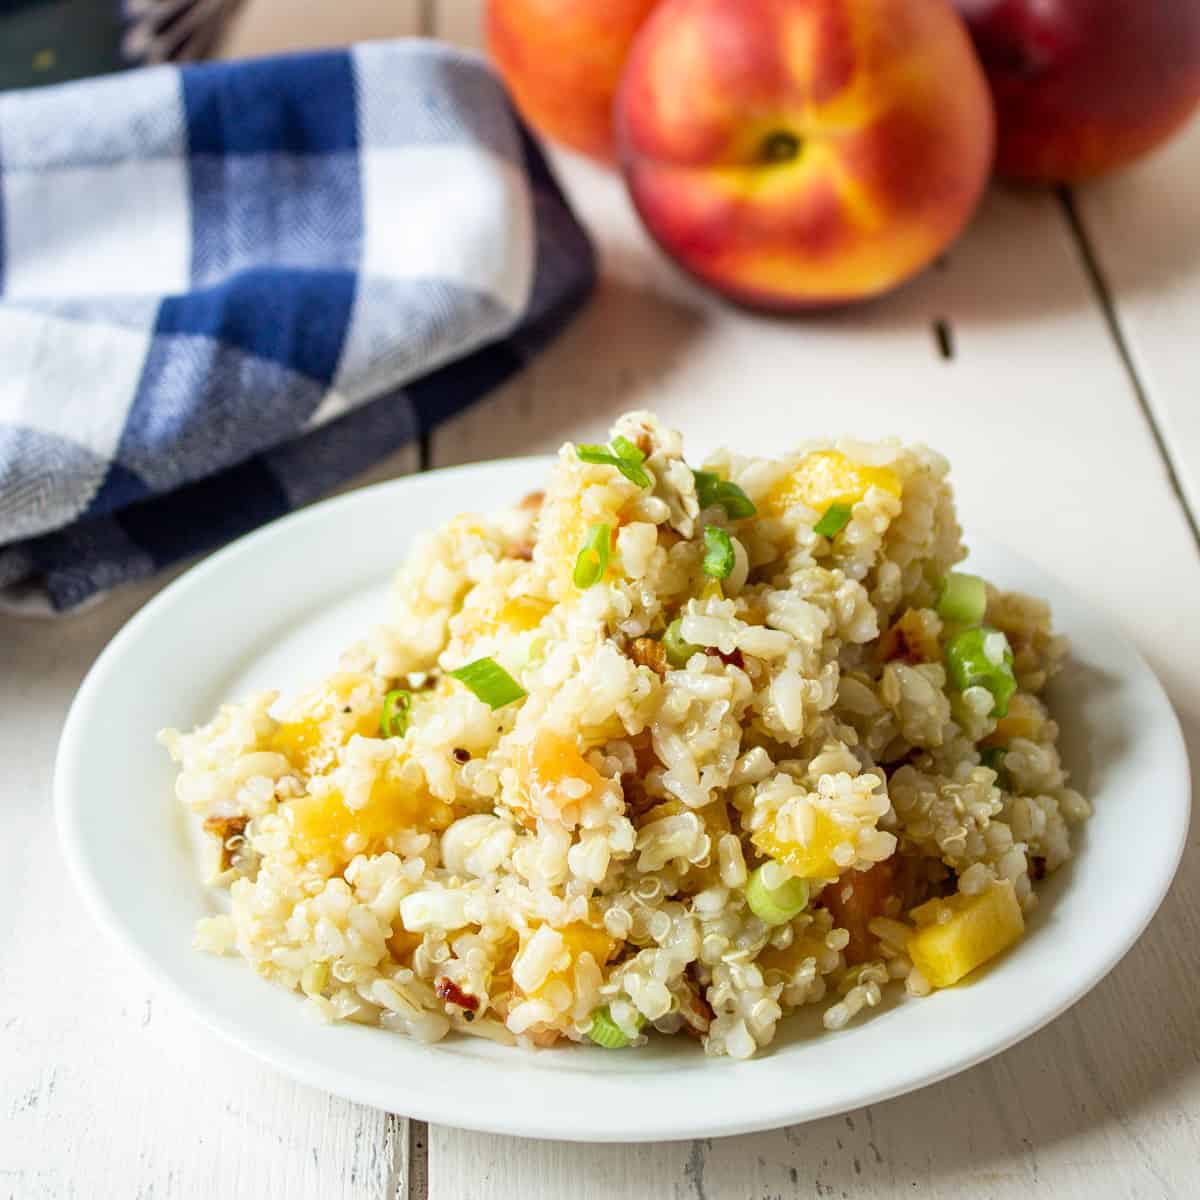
[662,750]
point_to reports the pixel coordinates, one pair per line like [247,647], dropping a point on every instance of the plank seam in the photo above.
[1112,320]
[418,1160]
[427,17]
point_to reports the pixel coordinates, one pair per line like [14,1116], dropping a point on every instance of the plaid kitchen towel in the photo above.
[226,288]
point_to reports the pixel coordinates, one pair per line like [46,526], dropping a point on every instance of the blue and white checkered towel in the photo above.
[226,288]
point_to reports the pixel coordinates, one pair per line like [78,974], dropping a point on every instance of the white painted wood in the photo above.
[107,1087]
[460,22]
[1051,454]
[1144,227]
[275,26]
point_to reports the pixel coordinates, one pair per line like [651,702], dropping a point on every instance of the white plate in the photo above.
[274,610]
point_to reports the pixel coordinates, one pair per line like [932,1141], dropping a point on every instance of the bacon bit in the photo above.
[909,641]
[446,989]
[532,502]
[227,829]
[1037,869]
[633,784]
[646,652]
[699,1015]
[730,660]
[523,551]
[636,799]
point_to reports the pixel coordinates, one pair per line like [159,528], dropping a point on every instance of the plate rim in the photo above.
[535,1125]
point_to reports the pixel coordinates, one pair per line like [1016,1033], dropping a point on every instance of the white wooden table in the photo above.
[1069,408]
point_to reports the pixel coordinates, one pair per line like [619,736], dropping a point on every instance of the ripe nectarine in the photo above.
[562,61]
[796,153]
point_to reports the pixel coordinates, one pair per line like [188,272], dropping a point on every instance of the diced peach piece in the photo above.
[956,934]
[1024,719]
[551,763]
[523,613]
[813,859]
[828,477]
[326,826]
[855,899]
[909,640]
[790,957]
[578,938]
[402,943]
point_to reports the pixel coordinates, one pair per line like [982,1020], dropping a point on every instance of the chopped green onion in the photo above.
[625,450]
[712,489]
[678,651]
[970,665]
[776,905]
[836,518]
[606,1032]
[718,552]
[490,682]
[963,599]
[593,558]
[992,757]
[393,721]
[623,455]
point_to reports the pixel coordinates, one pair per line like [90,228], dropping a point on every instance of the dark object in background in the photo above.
[48,41]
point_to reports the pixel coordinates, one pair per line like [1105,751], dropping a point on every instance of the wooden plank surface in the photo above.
[1052,454]
[107,1088]
[1144,228]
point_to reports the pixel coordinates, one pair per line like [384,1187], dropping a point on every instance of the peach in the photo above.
[1085,86]
[801,153]
[562,60]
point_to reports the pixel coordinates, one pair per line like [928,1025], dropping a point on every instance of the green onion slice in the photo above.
[836,518]
[718,552]
[593,557]
[397,706]
[678,651]
[963,599]
[622,454]
[712,489]
[490,682]
[625,450]
[969,665]
[992,757]
[776,905]
[606,1032]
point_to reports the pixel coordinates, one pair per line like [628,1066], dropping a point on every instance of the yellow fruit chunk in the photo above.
[311,743]
[325,827]
[577,939]
[814,858]
[402,943]
[523,613]
[790,957]
[301,742]
[909,640]
[959,933]
[1024,719]
[828,477]
[556,768]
